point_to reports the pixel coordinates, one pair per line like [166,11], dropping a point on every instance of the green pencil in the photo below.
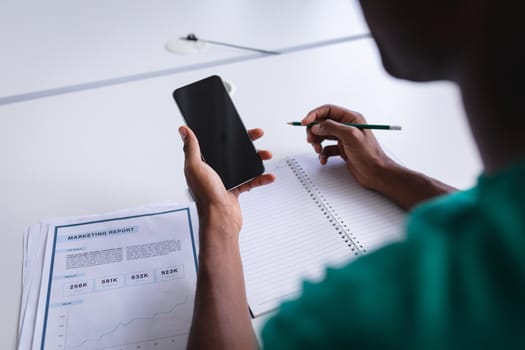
[360,126]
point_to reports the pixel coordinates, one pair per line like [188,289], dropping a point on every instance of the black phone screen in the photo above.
[225,145]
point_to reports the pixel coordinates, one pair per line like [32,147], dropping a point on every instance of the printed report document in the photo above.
[117,281]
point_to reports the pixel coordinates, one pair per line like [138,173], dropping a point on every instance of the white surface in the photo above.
[118,147]
[55,43]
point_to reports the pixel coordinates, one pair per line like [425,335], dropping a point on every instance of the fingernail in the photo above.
[183,133]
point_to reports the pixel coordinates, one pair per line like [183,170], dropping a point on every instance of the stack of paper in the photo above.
[123,280]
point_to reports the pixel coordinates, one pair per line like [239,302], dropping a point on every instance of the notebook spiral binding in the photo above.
[328,211]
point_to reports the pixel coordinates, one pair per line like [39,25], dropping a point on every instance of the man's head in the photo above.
[430,39]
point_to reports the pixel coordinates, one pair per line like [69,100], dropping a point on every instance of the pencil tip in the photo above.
[395,127]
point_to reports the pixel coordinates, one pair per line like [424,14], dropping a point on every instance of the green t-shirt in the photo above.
[456,282]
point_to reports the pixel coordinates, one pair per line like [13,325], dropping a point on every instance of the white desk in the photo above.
[61,43]
[118,146]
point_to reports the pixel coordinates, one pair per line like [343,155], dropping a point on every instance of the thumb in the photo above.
[192,150]
[330,128]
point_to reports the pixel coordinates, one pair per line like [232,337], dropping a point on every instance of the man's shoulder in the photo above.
[349,304]
[445,215]
[413,293]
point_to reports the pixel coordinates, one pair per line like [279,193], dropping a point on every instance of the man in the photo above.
[458,279]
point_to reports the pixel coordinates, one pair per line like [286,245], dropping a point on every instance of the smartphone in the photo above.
[225,145]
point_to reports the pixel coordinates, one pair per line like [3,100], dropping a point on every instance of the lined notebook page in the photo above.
[371,219]
[287,237]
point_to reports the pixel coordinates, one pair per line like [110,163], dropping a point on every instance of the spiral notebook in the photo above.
[311,218]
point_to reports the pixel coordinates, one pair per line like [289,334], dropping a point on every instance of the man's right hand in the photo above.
[358,147]
[365,159]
